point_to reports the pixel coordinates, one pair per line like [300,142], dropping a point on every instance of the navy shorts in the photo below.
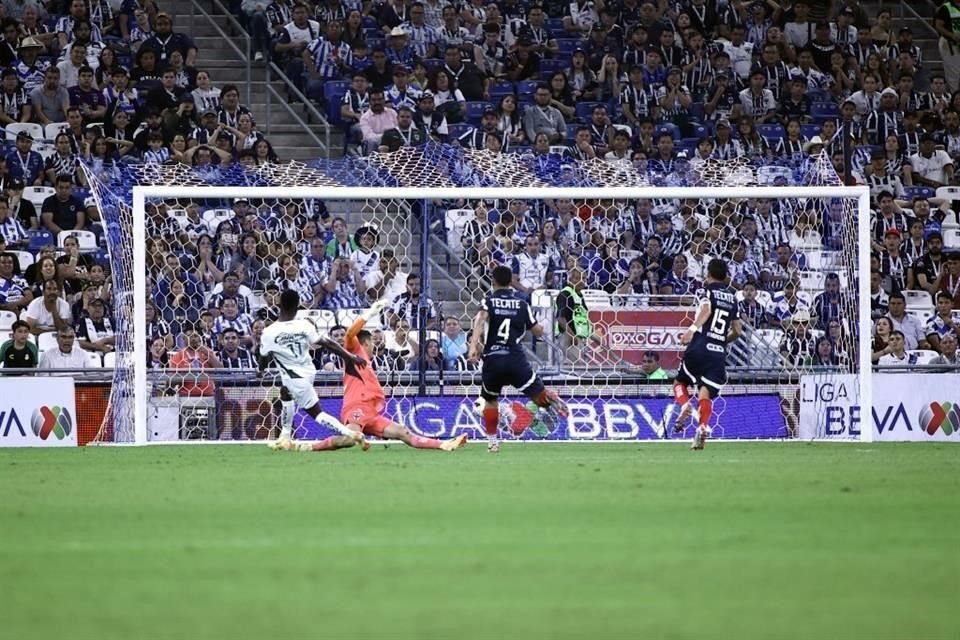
[704,368]
[508,370]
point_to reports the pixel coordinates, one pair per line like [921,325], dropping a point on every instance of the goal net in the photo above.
[199,257]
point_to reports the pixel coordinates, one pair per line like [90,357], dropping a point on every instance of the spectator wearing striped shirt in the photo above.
[344,286]
[826,305]
[232,355]
[95,331]
[325,59]
[406,306]
[230,317]
[751,311]
[15,293]
[422,36]
[11,229]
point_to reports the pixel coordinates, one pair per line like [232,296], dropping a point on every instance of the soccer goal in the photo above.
[199,256]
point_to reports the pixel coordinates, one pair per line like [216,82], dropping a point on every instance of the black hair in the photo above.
[502,276]
[17,324]
[289,301]
[363,335]
[717,269]
[896,296]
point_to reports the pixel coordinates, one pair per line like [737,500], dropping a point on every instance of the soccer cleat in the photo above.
[700,438]
[556,403]
[281,444]
[454,443]
[493,447]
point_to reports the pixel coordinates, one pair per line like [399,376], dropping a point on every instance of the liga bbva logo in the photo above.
[940,415]
[55,420]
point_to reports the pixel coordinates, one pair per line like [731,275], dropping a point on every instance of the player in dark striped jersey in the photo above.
[501,324]
[704,362]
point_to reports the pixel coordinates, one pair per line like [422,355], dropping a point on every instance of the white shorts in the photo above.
[301,390]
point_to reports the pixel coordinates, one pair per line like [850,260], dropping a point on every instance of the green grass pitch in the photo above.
[549,541]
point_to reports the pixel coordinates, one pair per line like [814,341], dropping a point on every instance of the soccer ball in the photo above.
[478,406]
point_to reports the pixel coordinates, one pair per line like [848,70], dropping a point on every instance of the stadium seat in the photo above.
[571,132]
[7,318]
[924,356]
[770,130]
[324,318]
[919,192]
[769,337]
[46,341]
[500,89]
[35,130]
[951,238]
[213,218]
[53,129]
[24,258]
[455,221]
[567,45]
[809,130]
[87,239]
[585,110]
[110,360]
[335,88]
[558,149]
[36,195]
[595,298]
[548,66]
[94,360]
[457,130]
[474,110]
[526,87]
[45,149]
[948,193]
[39,239]
[824,110]
[917,300]
[433,64]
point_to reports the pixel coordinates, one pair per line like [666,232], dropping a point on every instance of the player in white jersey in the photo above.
[287,344]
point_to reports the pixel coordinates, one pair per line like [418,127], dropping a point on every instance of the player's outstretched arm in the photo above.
[350,340]
[479,324]
[334,347]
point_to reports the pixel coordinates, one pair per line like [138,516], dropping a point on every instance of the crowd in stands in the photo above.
[662,86]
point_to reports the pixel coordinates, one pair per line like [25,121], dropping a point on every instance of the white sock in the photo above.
[333,423]
[287,409]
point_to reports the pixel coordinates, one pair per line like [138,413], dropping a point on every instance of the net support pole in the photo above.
[864,319]
[138,307]
[423,314]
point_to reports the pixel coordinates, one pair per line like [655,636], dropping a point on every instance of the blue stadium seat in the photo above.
[457,130]
[571,132]
[824,109]
[376,43]
[335,88]
[370,22]
[40,239]
[333,109]
[474,110]
[701,130]
[919,192]
[585,110]
[551,66]
[770,130]
[432,63]
[500,89]
[667,128]
[809,130]
[567,45]
[556,25]
[526,88]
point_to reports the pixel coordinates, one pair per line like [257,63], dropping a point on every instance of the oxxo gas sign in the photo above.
[37,412]
[914,407]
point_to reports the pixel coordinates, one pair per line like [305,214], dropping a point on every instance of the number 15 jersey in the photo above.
[723,311]
[289,343]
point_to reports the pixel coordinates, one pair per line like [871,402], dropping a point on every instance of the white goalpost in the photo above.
[391,211]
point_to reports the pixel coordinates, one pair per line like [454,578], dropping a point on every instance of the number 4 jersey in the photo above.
[508,318]
[289,343]
[723,311]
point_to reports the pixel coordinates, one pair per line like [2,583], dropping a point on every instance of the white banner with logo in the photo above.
[829,406]
[916,407]
[37,412]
